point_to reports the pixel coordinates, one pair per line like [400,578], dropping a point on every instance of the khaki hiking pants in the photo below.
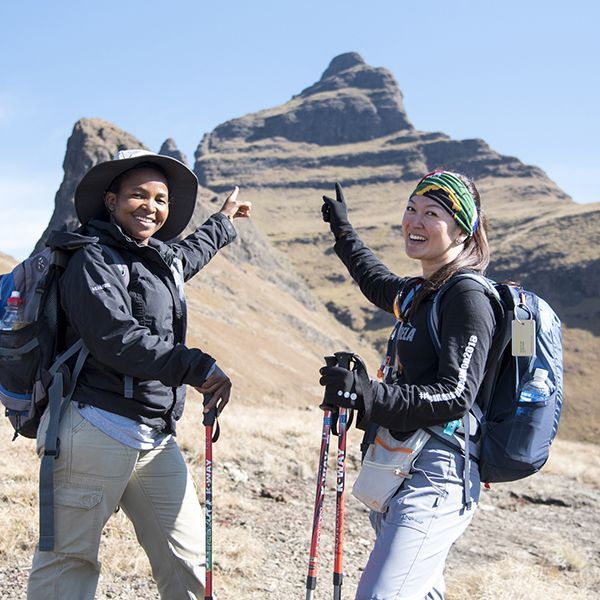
[93,475]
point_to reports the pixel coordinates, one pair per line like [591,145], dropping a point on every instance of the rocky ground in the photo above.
[549,521]
[537,538]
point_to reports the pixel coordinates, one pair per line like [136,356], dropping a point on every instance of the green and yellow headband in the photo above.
[451,193]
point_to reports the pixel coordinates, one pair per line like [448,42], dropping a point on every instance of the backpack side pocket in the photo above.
[19,361]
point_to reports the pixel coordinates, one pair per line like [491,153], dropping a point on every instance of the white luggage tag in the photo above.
[523,333]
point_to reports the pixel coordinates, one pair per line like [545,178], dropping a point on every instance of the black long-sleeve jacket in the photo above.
[431,389]
[135,330]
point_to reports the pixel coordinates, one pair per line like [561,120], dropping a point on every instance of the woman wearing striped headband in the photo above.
[421,397]
[455,237]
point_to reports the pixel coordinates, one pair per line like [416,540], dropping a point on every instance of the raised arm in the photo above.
[467,328]
[378,284]
[197,249]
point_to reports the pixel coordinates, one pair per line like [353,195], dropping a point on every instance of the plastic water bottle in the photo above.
[13,314]
[534,392]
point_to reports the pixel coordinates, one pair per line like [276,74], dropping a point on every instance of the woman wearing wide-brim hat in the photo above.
[123,296]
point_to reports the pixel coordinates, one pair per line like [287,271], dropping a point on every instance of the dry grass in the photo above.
[18,496]
[277,447]
[579,461]
[569,557]
[119,552]
[510,579]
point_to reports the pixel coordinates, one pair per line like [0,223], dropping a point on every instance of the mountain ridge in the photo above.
[353,117]
[538,235]
[379,169]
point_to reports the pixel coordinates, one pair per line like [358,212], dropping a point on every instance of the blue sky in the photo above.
[522,75]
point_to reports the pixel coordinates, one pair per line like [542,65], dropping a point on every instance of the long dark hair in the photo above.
[475,255]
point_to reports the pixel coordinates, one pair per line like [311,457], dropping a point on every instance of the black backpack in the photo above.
[36,367]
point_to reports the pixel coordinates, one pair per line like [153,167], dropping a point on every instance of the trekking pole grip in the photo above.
[210,420]
[330,361]
[209,417]
[343,359]
[346,361]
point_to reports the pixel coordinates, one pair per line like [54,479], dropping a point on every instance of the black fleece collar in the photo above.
[112,234]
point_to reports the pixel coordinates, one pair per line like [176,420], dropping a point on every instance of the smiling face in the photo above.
[141,204]
[430,234]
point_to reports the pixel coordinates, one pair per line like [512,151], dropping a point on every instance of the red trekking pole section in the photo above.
[338,573]
[208,421]
[311,579]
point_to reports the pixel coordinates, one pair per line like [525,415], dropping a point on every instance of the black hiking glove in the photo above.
[345,388]
[335,212]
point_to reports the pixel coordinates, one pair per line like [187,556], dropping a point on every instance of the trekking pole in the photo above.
[208,421]
[338,573]
[343,360]
[311,579]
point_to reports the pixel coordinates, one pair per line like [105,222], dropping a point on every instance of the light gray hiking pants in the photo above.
[94,474]
[414,536]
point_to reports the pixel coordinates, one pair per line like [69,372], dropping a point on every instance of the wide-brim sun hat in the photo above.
[183,188]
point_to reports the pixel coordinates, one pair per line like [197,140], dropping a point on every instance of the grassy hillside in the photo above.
[265,468]
[531,242]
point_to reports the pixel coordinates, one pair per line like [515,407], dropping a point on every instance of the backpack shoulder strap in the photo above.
[433,318]
[58,400]
[52,263]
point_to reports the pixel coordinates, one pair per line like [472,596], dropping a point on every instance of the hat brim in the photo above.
[183,189]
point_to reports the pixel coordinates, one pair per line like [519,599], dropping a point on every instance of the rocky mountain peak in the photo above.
[343,62]
[352,102]
[169,148]
[350,72]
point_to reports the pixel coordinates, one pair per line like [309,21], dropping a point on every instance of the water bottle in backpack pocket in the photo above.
[32,348]
[19,359]
[19,355]
[531,422]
